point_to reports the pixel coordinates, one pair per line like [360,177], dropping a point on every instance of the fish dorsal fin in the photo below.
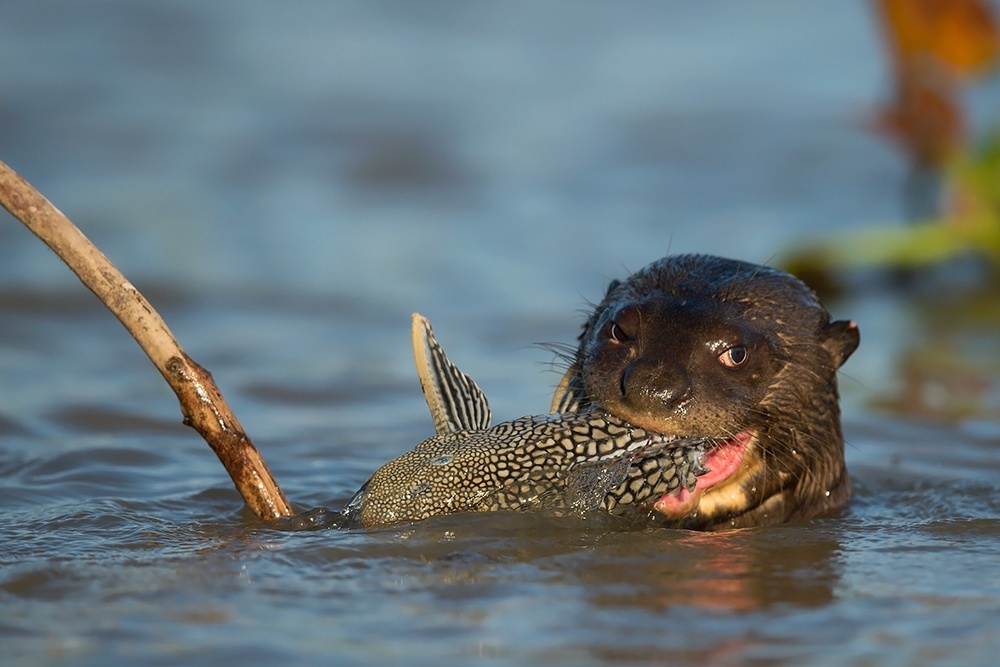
[455,400]
[569,395]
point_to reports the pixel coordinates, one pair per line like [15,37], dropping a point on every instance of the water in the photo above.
[288,183]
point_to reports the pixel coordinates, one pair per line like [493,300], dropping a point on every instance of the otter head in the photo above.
[702,346]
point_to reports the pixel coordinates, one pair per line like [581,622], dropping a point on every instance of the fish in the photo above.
[575,461]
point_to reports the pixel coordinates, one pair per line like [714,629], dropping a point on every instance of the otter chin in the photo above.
[741,354]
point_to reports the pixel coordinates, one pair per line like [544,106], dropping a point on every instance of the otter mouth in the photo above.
[721,461]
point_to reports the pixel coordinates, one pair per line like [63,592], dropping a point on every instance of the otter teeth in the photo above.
[698,463]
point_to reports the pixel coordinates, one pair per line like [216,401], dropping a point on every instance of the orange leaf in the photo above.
[962,33]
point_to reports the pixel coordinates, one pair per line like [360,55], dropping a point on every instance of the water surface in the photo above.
[288,183]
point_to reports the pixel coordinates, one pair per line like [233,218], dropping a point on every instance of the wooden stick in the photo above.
[202,403]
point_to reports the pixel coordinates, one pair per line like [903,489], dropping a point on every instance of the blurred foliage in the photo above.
[935,49]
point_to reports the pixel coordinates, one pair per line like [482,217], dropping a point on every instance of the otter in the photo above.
[698,346]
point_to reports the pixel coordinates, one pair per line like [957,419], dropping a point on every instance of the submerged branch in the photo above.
[201,402]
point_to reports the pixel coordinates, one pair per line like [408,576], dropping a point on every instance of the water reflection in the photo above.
[737,571]
[619,565]
[948,368]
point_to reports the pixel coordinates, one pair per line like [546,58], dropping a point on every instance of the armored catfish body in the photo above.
[575,461]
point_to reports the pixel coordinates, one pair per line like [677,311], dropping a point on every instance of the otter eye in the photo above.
[615,332]
[624,326]
[734,357]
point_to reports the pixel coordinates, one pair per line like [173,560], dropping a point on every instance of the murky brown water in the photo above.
[287,184]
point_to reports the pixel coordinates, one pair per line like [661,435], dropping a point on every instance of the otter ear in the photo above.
[840,339]
[611,286]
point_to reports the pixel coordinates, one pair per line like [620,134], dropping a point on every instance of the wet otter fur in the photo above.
[703,346]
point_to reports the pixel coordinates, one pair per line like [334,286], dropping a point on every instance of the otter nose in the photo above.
[654,387]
